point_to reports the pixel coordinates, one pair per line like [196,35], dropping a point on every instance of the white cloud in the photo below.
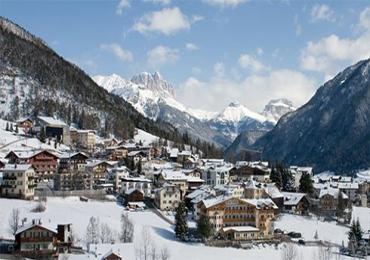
[196,70]
[219,70]
[365,19]
[163,2]
[331,54]
[250,63]
[118,51]
[123,4]
[191,46]
[167,21]
[162,55]
[254,91]
[259,51]
[297,25]
[225,3]
[196,18]
[322,12]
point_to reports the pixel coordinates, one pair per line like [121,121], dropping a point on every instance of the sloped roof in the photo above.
[292,198]
[52,121]
[241,229]
[16,167]
[37,224]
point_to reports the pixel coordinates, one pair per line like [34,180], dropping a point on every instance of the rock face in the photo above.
[331,131]
[276,108]
[242,147]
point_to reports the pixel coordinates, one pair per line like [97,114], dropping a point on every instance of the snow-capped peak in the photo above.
[235,112]
[154,81]
[111,82]
[276,108]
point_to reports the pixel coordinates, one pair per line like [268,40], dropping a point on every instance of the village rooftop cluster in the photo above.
[231,204]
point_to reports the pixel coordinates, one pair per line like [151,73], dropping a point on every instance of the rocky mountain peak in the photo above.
[154,81]
[276,108]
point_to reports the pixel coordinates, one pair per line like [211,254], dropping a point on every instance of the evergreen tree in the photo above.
[7,126]
[139,167]
[204,227]
[341,205]
[305,183]
[42,135]
[275,176]
[11,129]
[181,224]
[16,129]
[355,234]
[359,231]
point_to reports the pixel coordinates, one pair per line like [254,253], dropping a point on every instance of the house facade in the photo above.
[167,197]
[71,174]
[18,181]
[236,212]
[44,162]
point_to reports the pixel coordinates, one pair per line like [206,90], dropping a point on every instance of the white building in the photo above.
[18,181]
[167,197]
[139,183]
[216,174]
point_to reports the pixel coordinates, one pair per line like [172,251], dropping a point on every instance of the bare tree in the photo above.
[165,253]
[127,229]
[92,232]
[143,248]
[325,253]
[289,252]
[106,234]
[153,251]
[14,219]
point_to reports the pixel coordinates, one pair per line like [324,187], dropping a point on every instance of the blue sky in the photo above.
[213,51]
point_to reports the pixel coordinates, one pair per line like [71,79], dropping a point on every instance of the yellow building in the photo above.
[226,212]
[85,139]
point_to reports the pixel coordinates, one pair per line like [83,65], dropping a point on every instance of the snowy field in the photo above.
[71,210]
[307,226]
[144,137]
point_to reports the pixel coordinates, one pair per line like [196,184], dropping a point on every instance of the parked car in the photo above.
[294,234]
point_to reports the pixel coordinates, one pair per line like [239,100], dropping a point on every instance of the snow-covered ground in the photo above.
[13,141]
[145,137]
[71,210]
[307,226]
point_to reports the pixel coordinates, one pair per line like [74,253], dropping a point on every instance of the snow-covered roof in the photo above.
[273,191]
[25,154]
[170,175]
[260,203]
[52,121]
[348,185]
[70,155]
[241,229]
[174,152]
[16,167]
[332,192]
[129,191]
[184,153]
[111,252]
[215,200]
[136,179]
[292,198]
[134,153]
[25,227]
[193,179]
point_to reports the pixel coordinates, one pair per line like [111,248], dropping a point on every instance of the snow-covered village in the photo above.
[184,130]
